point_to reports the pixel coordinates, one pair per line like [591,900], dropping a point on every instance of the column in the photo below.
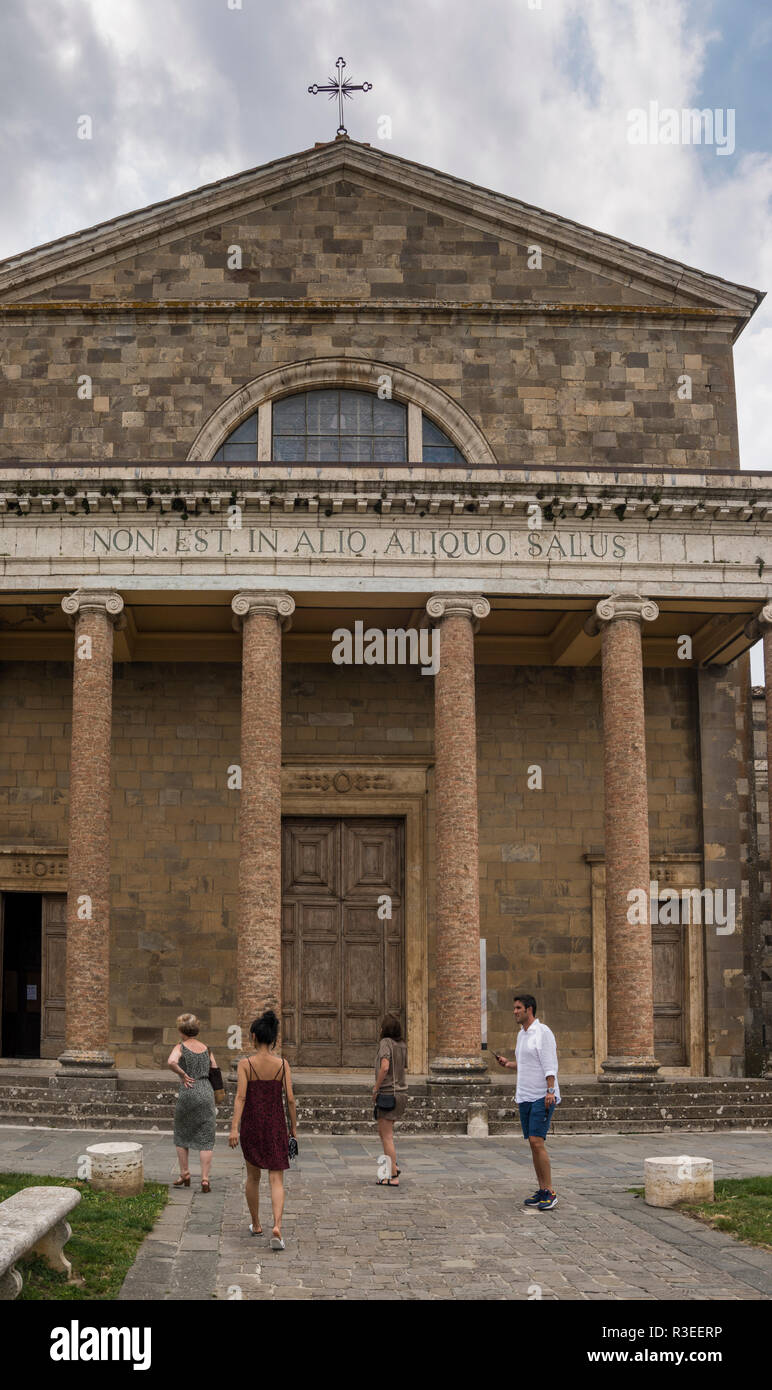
[457,1033]
[94,615]
[764,623]
[262,616]
[629,971]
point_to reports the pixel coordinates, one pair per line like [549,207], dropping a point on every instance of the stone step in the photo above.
[435,1124]
[351,1106]
[420,1095]
[756,1089]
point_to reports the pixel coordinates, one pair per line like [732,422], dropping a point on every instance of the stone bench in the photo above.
[32,1222]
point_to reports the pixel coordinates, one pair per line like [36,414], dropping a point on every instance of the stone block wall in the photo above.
[175,828]
[535,883]
[544,390]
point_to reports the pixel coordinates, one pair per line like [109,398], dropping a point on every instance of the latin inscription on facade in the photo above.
[461,544]
[342,542]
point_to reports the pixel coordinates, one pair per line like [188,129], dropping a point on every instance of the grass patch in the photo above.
[107,1232]
[743,1209]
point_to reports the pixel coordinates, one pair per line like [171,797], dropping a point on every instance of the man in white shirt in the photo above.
[537,1094]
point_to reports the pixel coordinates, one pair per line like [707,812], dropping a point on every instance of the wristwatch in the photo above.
[550,1090]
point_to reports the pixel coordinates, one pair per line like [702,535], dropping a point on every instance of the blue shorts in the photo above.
[535,1118]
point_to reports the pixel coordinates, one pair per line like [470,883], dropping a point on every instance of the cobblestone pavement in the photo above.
[455,1228]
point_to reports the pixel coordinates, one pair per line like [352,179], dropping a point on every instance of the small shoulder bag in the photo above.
[216,1081]
[293,1143]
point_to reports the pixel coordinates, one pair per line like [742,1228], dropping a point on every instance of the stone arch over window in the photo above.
[423,401]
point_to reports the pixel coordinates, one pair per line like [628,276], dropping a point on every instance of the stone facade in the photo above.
[175,837]
[346,268]
[580,377]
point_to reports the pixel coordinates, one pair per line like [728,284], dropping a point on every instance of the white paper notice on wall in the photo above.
[32,991]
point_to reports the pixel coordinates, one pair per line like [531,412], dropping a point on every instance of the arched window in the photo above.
[338,426]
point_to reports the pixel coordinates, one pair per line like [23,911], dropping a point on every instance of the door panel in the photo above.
[310,862]
[668,944]
[342,964]
[319,983]
[53,973]
[371,859]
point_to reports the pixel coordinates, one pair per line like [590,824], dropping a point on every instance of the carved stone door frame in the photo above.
[343,787]
[675,870]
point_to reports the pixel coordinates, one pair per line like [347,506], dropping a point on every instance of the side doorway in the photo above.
[32,962]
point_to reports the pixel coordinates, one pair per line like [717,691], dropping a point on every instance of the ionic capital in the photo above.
[275,605]
[104,601]
[471,606]
[627,605]
[763,620]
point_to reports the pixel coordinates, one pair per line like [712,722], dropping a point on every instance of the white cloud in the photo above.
[531,102]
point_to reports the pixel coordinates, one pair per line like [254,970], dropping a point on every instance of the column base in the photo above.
[630,1069]
[92,1071]
[459,1070]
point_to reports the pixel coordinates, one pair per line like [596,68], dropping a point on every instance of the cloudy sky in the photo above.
[528,97]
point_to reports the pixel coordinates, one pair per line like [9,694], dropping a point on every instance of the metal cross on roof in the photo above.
[340,87]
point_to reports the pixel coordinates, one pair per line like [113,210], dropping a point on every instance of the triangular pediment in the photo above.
[350,223]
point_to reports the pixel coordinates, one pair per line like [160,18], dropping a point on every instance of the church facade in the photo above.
[378,579]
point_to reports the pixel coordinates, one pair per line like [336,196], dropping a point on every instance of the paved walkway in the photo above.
[454,1228]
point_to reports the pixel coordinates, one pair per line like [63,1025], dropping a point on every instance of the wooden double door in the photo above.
[342,962]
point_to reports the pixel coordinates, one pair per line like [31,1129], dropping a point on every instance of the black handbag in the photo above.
[216,1082]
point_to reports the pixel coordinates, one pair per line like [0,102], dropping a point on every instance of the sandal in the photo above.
[387,1182]
[182,1181]
[205,1187]
[277,1243]
[254,1232]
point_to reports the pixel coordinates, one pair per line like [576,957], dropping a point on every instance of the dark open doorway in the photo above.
[22,961]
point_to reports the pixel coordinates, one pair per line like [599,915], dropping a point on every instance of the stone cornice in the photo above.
[165,492]
[423,309]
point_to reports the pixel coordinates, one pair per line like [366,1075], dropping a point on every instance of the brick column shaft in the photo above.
[629,977]
[457,989]
[258,969]
[767,616]
[87,1004]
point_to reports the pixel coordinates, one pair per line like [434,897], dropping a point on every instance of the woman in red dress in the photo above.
[259,1111]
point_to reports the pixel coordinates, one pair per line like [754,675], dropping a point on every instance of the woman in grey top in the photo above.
[390,1066]
[195,1112]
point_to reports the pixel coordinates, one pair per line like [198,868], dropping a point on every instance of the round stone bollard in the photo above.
[116,1168]
[682,1179]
